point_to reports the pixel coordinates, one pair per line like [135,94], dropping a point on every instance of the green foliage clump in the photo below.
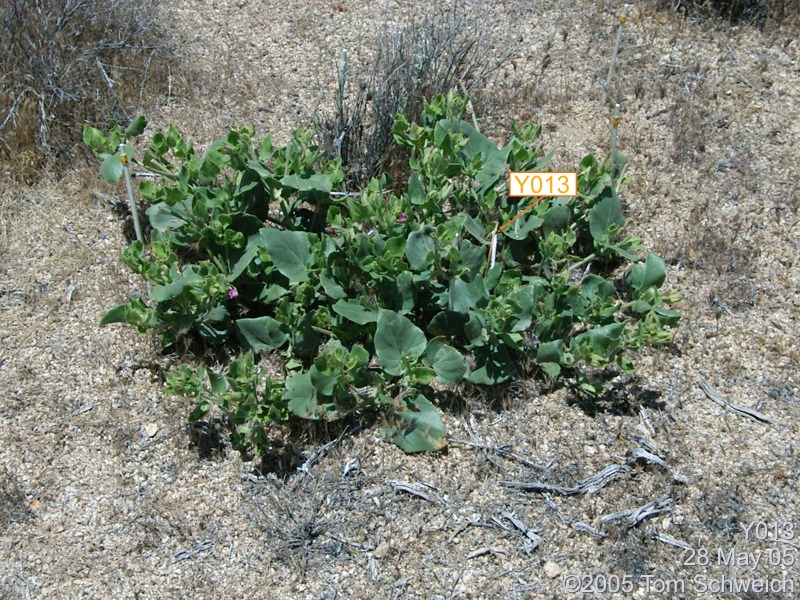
[375,298]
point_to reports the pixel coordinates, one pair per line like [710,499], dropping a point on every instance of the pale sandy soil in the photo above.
[102,495]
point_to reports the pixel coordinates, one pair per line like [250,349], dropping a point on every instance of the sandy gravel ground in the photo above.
[102,494]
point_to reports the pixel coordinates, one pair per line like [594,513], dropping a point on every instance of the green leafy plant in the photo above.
[372,301]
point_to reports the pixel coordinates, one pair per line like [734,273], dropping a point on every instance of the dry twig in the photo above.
[637,515]
[742,411]
[587,486]
[417,488]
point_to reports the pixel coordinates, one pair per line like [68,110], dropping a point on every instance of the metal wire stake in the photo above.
[623,19]
[614,125]
[129,183]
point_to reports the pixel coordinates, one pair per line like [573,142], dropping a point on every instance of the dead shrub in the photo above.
[412,64]
[757,12]
[69,62]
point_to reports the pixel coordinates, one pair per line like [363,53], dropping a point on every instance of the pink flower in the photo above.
[232,293]
[402,218]
[330,230]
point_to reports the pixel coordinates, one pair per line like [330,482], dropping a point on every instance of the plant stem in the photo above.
[582,262]
[215,260]
[469,106]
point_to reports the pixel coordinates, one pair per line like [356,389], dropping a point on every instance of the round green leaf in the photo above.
[418,427]
[136,127]
[262,333]
[95,139]
[352,310]
[603,215]
[449,365]
[550,352]
[290,252]
[493,365]
[111,170]
[419,247]
[521,228]
[651,275]
[555,220]
[397,340]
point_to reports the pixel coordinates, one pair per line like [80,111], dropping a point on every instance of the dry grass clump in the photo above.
[69,62]
[12,498]
[757,12]
[412,64]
